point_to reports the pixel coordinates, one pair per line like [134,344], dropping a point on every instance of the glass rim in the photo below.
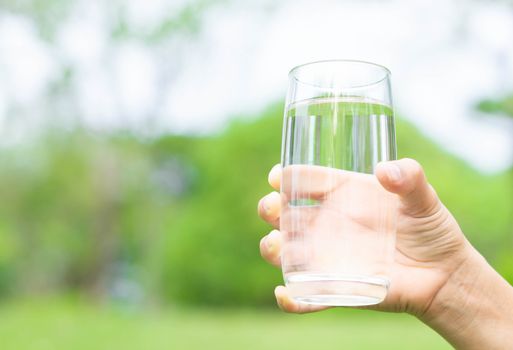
[295,69]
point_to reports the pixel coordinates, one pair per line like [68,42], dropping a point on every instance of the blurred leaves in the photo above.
[185,21]
[47,15]
[503,106]
[175,217]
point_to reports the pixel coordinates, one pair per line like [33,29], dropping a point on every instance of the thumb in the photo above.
[406,178]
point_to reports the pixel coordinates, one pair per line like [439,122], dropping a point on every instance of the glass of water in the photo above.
[337,221]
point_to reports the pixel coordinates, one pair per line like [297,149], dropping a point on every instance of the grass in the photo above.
[57,324]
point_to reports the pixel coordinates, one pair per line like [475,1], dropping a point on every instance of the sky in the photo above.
[444,57]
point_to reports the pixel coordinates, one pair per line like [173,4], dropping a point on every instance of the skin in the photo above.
[437,275]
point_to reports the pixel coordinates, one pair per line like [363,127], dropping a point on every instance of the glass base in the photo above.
[336,289]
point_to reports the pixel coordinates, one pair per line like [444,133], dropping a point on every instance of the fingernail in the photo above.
[273,174]
[270,241]
[269,208]
[394,173]
[265,206]
[279,299]
[269,245]
[279,302]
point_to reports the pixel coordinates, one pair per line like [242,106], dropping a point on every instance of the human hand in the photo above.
[436,275]
[429,248]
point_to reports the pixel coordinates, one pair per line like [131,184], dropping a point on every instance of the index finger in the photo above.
[306,181]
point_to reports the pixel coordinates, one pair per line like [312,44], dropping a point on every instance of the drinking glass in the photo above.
[337,221]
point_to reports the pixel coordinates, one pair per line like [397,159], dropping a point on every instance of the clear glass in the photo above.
[337,221]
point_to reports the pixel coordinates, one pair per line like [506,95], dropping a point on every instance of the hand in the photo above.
[436,275]
[429,248]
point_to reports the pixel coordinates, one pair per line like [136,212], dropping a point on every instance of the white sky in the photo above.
[444,56]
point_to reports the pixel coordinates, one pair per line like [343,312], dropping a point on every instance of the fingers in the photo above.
[270,247]
[269,208]
[274,177]
[406,178]
[287,304]
[310,181]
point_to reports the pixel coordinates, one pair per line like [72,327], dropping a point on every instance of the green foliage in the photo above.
[213,252]
[503,106]
[175,218]
[186,21]
[73,206]
[47,15]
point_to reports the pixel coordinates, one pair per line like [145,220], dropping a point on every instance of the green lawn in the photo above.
[57,325]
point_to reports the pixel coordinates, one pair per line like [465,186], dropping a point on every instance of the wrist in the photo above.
[472,310]
[450,306]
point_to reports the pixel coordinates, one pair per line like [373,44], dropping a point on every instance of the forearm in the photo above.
[474,309]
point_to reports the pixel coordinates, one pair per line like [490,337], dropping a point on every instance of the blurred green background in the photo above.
[137,236]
